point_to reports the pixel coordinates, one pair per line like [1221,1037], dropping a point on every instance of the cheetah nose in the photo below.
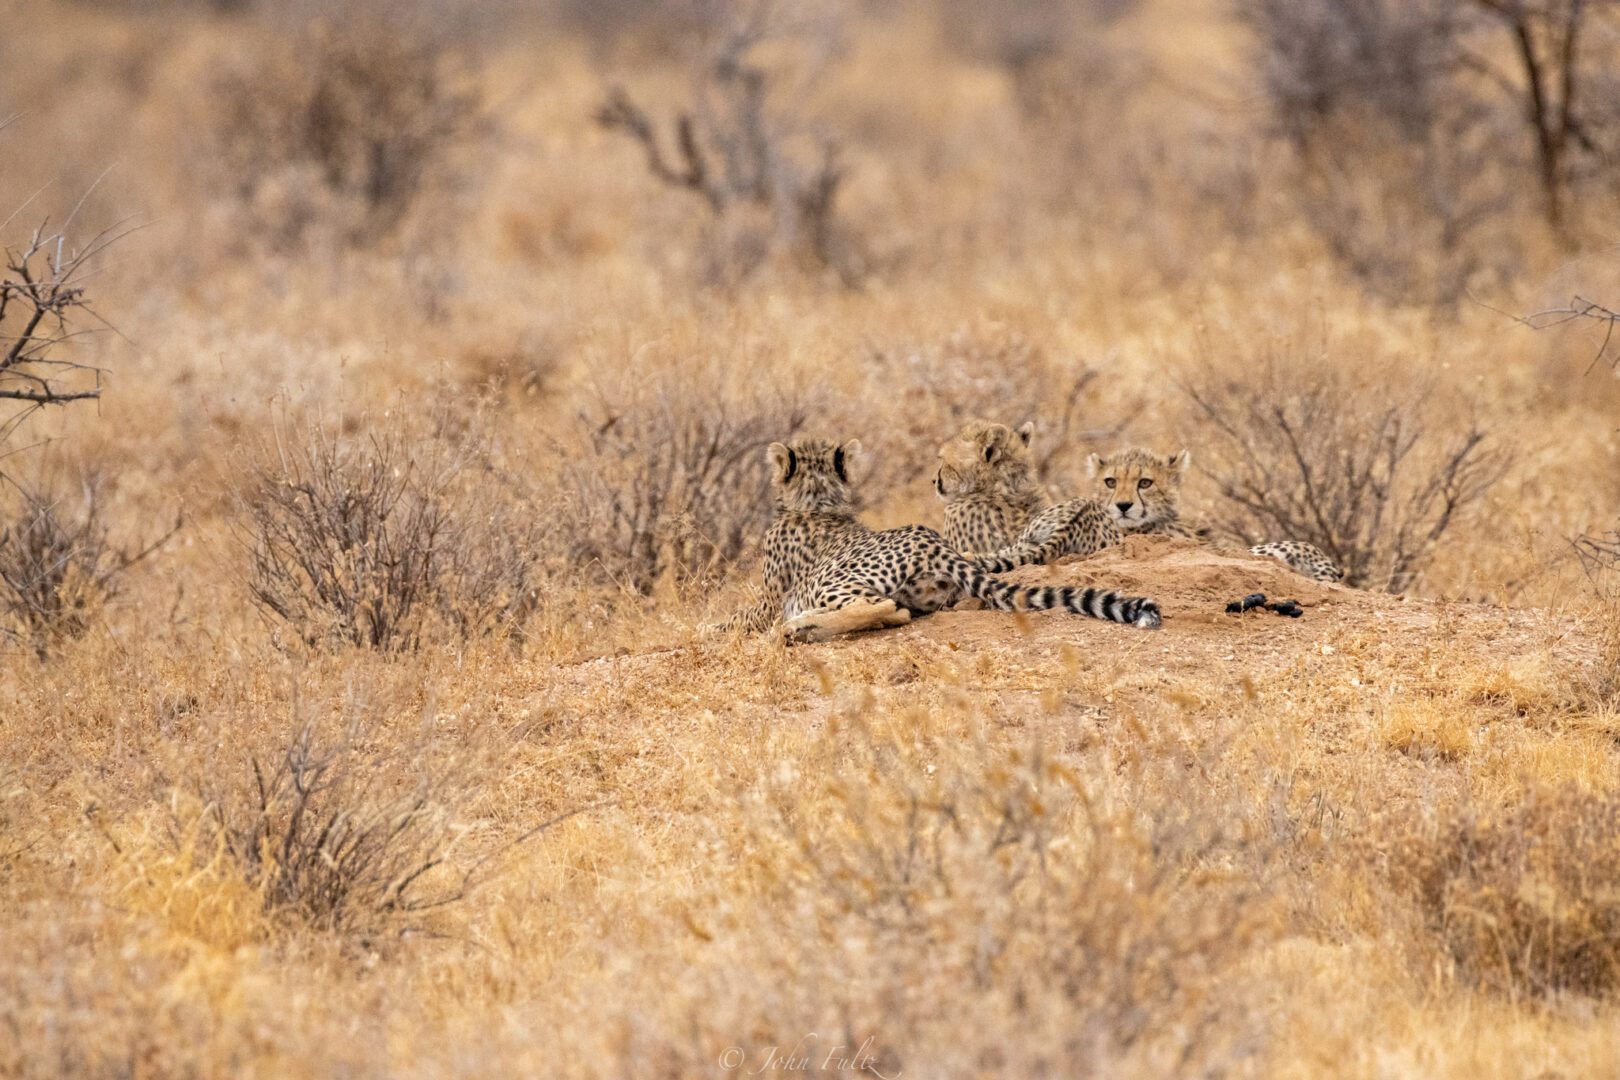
[1124,508]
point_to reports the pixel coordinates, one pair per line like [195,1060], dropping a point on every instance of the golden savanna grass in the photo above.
[510,814]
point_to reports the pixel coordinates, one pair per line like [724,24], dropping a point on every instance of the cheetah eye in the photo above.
[1108,482]
[1143,484]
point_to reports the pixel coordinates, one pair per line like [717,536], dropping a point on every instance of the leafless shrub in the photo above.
[329,830]
[657,26]
[770,183]
[40,293]
[1436,94]
[323,835]
[57,566]
[1599,553]
[671,477]
[1303,451]
[1390,141]
[344,127]
[366,541]
[1077,77]
[1524,903]
[1585,312]
[1561,83]
[1323,58]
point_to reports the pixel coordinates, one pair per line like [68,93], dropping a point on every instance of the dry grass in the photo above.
[1526,904]
[521,387]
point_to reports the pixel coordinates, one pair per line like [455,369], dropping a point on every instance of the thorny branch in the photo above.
[40,291]
[1579,309]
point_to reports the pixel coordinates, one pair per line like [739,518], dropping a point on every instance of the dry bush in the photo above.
[1018,35]
[670,476]
[1072,77]
[1526,903]
[1086,910]
[768,180]
[342,127]
[41,292]
[1358,459]
[372,540]
[1409,121]
[57,566]
[1397,161]
[323,827]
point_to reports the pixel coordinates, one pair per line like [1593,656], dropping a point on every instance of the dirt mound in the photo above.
[1188,579]
[1193,583]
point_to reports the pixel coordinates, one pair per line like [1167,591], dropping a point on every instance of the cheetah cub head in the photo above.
[1139,488]
[812,475]
[984,457]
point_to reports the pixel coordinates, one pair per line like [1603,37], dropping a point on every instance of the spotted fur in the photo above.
[828,574]
[999,514]
[1302,558]
[987,478]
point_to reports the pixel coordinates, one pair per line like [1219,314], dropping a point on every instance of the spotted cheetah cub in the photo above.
[986,476]
[1142,490]
[998,514]
[828,574]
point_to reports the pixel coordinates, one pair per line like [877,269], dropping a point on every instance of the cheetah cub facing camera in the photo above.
[827,574]
[999,516]
[1142,492]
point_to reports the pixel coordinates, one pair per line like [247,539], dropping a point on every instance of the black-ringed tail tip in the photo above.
[1148,617]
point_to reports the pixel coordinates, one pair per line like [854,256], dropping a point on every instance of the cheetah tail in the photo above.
[1097,603]
[754,619]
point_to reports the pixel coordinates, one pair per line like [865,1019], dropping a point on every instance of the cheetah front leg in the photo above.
[860,613]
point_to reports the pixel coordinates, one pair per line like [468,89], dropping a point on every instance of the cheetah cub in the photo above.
[827,574]
[986,476]
[998,514]
[1142,491]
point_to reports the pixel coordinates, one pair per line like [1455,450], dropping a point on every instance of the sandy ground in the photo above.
[1370,644]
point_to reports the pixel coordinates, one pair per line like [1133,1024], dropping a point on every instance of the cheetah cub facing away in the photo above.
[1142,491]
[827,574]
[999,515]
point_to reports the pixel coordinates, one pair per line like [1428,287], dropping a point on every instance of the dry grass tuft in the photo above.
[1428,729]
[1526,903]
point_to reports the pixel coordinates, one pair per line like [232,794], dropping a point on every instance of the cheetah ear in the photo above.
[843,456]
[1094,465]
[783,462]
[1026,431]
[1178,463]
